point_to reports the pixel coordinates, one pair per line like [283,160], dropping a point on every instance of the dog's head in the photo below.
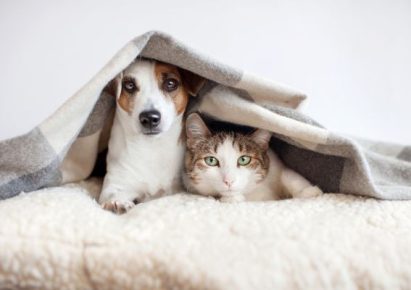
[152,94]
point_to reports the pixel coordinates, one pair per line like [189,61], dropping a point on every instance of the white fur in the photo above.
[143,166]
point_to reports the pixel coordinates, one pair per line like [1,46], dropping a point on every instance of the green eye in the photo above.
[211,161]
[244,160]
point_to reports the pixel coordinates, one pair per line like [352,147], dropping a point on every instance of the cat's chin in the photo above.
[230,192]
[232,198]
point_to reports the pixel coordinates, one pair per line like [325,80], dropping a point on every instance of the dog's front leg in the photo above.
[117,206]
[119,201]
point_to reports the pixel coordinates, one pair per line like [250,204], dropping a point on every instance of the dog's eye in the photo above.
[129,86]
[170,84]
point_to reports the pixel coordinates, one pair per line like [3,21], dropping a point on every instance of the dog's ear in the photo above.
[114,87]
[192,82]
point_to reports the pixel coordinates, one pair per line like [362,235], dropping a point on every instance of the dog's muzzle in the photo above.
[150,120]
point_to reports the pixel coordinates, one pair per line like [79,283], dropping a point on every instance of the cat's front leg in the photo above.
[311,191]
[298,186]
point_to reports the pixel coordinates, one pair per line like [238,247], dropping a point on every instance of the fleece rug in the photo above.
[60,238]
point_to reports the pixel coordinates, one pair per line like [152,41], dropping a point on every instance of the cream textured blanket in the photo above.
[59,238]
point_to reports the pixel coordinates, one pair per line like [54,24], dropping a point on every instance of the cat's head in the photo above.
[224,163]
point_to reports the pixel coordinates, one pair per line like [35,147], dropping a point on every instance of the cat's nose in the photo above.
[228,182]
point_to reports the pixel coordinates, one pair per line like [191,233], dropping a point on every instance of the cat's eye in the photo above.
[211,161]
[244,160]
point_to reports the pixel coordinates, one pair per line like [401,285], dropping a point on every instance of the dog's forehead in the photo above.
[145,67]
[140,67]
[165,68]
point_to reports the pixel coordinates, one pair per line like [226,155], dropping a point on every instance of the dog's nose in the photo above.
[150,119]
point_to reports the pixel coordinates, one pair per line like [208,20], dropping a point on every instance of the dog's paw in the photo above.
[311,191]
[118,206]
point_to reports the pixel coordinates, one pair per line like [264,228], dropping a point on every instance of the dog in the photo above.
[146,146]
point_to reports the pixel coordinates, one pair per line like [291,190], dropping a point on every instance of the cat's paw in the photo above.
[232,198]
[118,206]
[311,191]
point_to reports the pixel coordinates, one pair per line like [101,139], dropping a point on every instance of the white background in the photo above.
[352,57]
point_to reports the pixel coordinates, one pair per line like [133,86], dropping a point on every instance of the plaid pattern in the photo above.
[64,147]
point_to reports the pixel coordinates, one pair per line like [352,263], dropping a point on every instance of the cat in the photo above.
[235,167]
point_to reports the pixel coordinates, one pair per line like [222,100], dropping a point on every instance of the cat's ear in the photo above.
[261,137]
[196,128]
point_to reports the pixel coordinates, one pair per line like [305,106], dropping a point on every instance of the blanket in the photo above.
[64,148]
[59,238]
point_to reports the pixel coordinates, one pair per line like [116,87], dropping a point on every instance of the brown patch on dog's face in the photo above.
[129,89]
[174,83]
[171,84]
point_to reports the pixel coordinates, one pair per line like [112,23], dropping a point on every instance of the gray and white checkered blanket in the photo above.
[65,146]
